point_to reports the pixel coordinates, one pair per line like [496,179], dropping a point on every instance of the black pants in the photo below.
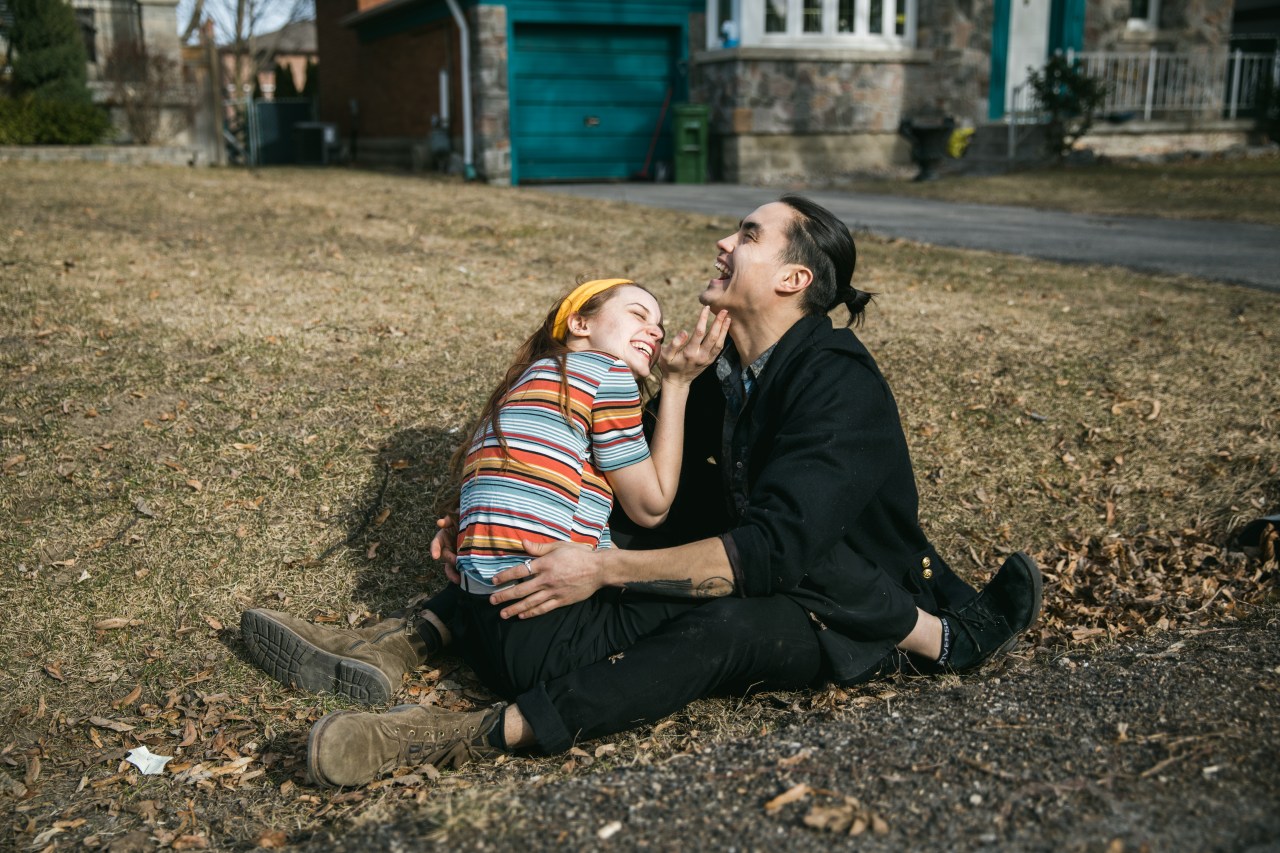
[620,659]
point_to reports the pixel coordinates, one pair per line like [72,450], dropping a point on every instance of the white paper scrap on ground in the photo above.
[147,761]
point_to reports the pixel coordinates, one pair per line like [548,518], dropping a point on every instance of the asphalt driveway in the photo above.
[1240,253]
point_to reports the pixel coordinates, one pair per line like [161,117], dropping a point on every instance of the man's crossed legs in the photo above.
[604,665]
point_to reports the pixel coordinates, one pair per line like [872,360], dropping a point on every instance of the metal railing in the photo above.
[1156,84]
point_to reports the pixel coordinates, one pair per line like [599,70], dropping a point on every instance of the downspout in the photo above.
[469,168]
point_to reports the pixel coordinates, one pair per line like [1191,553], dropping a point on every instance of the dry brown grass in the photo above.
[226,389]
[1239,190]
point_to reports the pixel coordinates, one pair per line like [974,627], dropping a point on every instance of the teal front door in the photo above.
[587,100]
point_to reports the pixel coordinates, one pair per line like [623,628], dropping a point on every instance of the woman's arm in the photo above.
[647,488]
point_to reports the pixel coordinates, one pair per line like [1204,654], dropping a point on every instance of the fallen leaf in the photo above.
[114,725]
[213,623]
[271,838]
[54,671]
[236,766]
[129,698]
[13,461]
[372,553]
[115,623]
[830,818]
[195,485]
[791,795]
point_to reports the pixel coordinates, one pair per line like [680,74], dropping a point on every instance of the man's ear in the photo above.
[796,280]
[578,325]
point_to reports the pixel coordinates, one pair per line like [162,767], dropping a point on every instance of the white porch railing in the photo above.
[1163,84]
[1158,85]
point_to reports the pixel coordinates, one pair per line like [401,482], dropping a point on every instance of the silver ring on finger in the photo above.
[528,567]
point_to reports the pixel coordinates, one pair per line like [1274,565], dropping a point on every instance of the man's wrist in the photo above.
[609,570]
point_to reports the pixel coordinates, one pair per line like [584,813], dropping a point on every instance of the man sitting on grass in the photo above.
[792,556]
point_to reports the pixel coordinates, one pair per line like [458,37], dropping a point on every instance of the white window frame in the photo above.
[1150,23]
[749,16]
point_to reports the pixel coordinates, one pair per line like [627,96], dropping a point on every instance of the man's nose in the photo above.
[726,244]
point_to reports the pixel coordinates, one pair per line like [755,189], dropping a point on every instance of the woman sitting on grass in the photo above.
[559,437]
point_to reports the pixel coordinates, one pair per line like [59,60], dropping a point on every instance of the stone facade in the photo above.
[779,115]
[490,92]
[1184,25]
[1154,139]
[957,38]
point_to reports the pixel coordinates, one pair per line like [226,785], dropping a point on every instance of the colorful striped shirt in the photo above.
[550,486]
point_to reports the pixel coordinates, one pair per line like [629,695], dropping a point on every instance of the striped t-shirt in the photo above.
[550,486]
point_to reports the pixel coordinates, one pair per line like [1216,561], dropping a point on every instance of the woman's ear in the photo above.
[578,325]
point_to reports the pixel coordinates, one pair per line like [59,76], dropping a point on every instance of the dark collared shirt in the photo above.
[737,382]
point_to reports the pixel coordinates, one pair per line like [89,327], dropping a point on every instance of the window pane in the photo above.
[775,16]
[88,32]
[877,16]
[1139,9]
[813,16]
[844,16]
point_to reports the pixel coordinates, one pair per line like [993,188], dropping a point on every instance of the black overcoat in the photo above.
[813,494]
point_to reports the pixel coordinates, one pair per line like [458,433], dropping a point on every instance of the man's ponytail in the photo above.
[853,299]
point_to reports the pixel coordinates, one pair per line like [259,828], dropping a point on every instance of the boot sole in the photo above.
[292,660]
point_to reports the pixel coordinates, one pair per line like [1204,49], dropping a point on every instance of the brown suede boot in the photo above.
[349,748]
[364,664]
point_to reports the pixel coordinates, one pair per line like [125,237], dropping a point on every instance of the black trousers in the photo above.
[620,659]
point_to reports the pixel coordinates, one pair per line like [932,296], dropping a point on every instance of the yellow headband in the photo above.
[573,303]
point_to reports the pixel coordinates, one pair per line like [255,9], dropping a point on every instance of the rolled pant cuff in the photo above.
[548,728]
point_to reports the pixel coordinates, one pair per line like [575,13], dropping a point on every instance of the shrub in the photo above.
[1269,109]
[1070,97]
[28,120]
[311,87]
[285,87]
[49,58]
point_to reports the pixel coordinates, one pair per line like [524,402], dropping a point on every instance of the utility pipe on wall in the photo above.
[467,142]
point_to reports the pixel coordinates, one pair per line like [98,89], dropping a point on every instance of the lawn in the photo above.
[227,389]
[1239,190]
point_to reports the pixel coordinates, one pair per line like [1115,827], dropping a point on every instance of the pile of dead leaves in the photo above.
[1107,587]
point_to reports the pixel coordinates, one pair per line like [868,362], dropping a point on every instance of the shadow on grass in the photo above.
[391,525]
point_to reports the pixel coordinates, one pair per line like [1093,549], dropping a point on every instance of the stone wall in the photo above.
[957,79]
[1185,25]
[1155,139]
[120,155]
[779,115]
[775,159]
[489,92]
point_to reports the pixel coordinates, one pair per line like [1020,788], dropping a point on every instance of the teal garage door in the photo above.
[587,100]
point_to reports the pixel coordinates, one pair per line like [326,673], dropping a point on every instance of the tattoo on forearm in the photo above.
[709,588]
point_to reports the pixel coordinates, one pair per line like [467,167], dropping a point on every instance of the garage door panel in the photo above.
[613,92]
[586,99]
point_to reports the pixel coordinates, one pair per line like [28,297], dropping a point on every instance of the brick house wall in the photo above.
[392,81]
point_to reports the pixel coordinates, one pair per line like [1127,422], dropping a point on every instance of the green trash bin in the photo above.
[691,143]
